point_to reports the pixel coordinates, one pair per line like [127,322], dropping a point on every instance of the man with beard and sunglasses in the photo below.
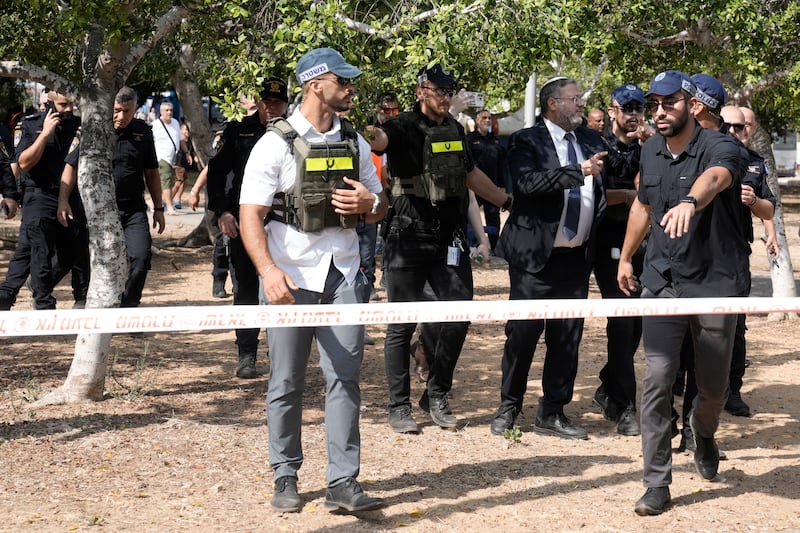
[556,168]
[616,395]
[431,168]
[310,176]
[42,142]
[690,194]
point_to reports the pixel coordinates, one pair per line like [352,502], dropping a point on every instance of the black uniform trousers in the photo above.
[442,341]
[53,244]
[136,228]
[245,292]
[566,275]
[618,377]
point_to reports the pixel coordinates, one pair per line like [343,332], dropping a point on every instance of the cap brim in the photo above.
[346,71]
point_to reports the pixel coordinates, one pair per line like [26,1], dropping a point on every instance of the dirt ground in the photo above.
[179,444]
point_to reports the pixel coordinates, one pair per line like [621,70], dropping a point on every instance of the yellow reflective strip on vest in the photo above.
[320,164]
[447,146]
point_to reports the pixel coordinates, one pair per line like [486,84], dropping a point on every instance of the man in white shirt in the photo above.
[168,139]
[317,265]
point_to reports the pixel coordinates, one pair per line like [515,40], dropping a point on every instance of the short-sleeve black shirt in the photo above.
[134,153]
[712,259]
[46,174]
[405,151]
[490,156]
[226,168]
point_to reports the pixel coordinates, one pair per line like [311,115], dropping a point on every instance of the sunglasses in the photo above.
[441,91]
[630,109]
[666,105]
[391,111]
[738,128]
[343,82]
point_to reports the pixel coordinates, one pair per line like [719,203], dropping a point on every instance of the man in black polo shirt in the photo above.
[134,163]
[490,157]
[616,395]
[690,193]
[430,166]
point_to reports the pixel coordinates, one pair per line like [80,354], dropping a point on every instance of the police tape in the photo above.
[163,319]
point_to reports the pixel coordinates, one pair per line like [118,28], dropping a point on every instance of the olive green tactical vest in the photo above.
[443,175]
[320,169]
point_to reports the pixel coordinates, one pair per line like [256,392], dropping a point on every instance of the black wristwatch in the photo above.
[689,200]
[159,209]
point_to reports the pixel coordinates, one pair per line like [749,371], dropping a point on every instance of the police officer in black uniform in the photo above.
[8,185]
[225,171]
[45,140]
[616,395]
[134,159]
[490,157]
[430,166]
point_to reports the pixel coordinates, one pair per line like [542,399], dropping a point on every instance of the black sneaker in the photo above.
[736,406]
[504,419]
[607,407]
[247,367]
[706,455]
[401,421]
[286,499]
[655,501]
[441,414]
[627,424]
[349,496]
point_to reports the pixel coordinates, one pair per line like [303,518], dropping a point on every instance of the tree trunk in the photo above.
[781,270]
[109,256]
[202,136]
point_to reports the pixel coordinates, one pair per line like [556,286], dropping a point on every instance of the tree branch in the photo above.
[699,34]
[363,27]
[744,94]
[29,71]
[163,27]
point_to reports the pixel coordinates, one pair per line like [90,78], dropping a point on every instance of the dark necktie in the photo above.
[574,199]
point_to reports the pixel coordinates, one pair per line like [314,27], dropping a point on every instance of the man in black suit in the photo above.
[556,167]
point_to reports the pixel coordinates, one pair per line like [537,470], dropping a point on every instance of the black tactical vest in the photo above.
[443,174]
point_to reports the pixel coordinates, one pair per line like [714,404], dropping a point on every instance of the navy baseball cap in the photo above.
[321,60]
[709,91]
[670,82]
[436,74]
[274,88]
[625,94]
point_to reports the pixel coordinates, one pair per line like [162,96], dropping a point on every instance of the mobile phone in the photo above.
[51,106]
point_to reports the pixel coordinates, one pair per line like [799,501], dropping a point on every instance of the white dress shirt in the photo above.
[304,256]
[587,191]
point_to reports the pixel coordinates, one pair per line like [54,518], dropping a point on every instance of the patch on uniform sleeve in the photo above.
[76,142]
[17,134]
[216,146]
[754,169]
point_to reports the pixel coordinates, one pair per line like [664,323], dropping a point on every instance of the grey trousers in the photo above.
[712,336]
[341,349]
